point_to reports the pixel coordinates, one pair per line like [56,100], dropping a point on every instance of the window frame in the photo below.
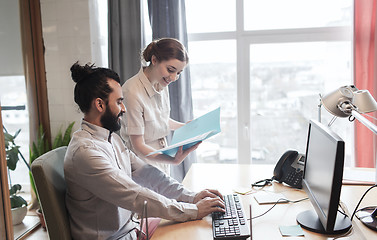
[6,230]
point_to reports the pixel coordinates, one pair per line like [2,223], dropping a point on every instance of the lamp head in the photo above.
[339,102]
[364,101]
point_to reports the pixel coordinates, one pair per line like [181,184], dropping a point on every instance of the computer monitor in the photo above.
[322,181]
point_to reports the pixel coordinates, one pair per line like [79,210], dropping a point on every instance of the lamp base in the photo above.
[367,216]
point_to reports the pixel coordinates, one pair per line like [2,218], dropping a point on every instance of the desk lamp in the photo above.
[348,101]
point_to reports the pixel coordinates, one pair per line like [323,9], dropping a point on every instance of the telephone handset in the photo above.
[290,169]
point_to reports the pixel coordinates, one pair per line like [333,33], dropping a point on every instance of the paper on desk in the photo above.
[270,198]
[193,132]
[291,231]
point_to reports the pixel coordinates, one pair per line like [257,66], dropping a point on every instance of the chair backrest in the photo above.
[48,174]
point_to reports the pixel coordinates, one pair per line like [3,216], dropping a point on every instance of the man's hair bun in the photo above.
[91,83]
[79,73]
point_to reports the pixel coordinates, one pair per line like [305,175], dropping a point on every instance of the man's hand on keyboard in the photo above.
[208,205]
[213,193]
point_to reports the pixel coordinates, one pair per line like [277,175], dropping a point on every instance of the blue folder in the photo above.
[193,132]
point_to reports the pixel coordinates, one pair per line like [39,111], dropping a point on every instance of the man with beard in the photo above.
[106,183]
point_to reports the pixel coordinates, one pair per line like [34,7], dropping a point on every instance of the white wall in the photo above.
[67,39]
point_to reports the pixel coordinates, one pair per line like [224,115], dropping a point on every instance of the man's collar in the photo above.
[95,130]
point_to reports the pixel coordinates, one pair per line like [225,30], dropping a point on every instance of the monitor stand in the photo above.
[368,216]
[309,220]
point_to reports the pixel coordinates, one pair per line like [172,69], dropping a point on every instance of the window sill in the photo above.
[29,224]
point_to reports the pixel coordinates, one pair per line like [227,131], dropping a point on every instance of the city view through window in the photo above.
[285,93]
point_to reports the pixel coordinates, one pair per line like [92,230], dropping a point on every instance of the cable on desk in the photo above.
[262,183]
[279,200]
[362,197]
[345,212]
[342,212]
[349,232]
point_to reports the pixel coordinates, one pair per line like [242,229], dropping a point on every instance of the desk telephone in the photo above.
[290,169]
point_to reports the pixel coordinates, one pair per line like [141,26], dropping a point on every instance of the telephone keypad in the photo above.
[294,178]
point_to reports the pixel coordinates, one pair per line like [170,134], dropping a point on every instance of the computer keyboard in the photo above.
[233,223]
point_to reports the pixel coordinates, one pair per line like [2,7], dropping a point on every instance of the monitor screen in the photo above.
[322,181]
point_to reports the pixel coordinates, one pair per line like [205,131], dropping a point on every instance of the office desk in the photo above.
[229,177]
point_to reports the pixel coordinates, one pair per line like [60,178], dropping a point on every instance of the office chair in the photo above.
[48,174]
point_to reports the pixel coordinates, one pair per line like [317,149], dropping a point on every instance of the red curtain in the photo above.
[365,75]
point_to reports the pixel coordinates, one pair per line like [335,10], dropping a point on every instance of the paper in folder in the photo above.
[193,132]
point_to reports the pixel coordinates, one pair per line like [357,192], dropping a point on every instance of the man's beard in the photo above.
[110,121]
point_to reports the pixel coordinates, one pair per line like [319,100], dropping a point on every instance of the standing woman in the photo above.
[146,97]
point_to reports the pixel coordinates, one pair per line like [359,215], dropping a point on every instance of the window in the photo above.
[219,16]
[265,64]
[12,91]
[213,77]
[284,93]
[276,14]
[15,116]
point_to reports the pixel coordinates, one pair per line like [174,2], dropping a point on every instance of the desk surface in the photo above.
[233,177]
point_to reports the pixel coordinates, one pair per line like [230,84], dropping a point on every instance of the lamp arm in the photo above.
[320,109]
[364,121]
[368,124]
